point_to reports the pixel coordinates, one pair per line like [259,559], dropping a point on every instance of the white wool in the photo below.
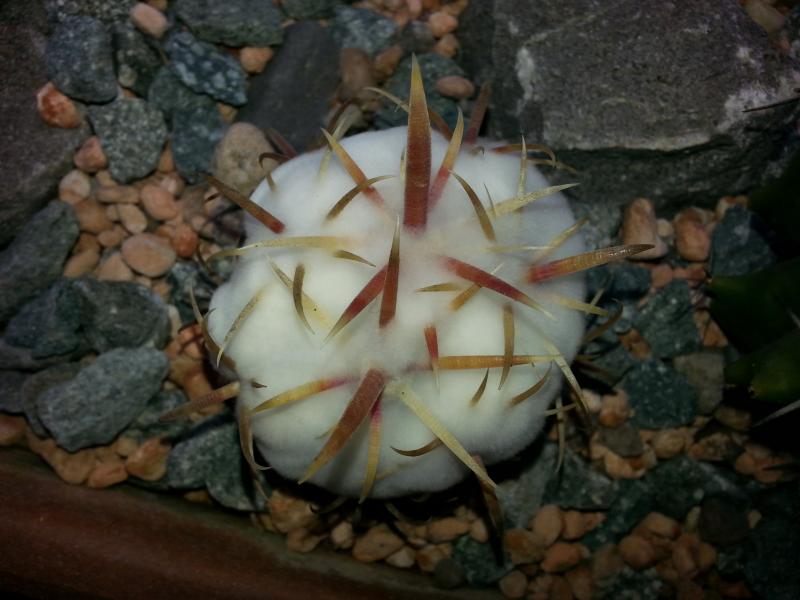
[274,348]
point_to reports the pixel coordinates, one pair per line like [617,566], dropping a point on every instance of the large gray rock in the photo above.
[33,155]
[35,257]
[132,133]
[103,398]
[79,315]
[642,101]
[80,62]
[233,22]
[293,93]
[108,11]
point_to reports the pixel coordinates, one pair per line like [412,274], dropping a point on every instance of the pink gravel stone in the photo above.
[148,254]
[56,109]
[158,202]
[90,157]
[149,20]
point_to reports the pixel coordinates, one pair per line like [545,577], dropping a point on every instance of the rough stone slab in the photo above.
[293,93]
[34,155]
[642,101]
[659,396]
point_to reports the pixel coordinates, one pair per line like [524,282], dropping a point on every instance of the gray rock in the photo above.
[35,258]
[233,23]
[209,456]
[614,360]
[39,383]
[580,487]
[186,275]
[433,67]
[623,440]
[103,398]
[293,93]
[136,58]
[672,488]
[666,321]
[705,372]
[621,281]
[132,134]
[195,134]
[659,396]
[632,585]
[118,314]
[149,424]
[50,323]
[521,496]
[80,62]
[33,154]
[643,103]
[206,70]
[739,244]
[108,11]
[478,562]
[309,9]
[75,316]
[362,28]
[10,391]
[170,96]
[722,522]
[416,37]
[772,567]
[604,221]
[21,359]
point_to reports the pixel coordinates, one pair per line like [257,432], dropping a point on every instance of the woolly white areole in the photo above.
[272,347]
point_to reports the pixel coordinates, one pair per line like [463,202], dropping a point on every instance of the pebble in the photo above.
[74,187]
[235,159]
[73,468]
[618,467]
[149,460]
[638,552]
[455,86]
[356,71]
[377,544]
[661,275]
[428,557]
[114,268]
[547,524]
[158,202]
[56,109]
[523,546]
[615,409]
[302,540]
[580,582]
[404,558]
[639,226]
[254,60]
[735,418]
[447,46]
[173,183]
[562,556]
[111,238]
[90,157]
[81,263]
[12,429]
[148,254]
[118,194]
[289,513]
[149,20]
[668,443]
[478,531]
[692,238]
[513,585]
[446,530]
[124,446]
[606,563]
[166,162]
[661,525]
[767,16]
[132,218]
[342,536]
[109,471]
[184,240]
[442,23]
[576,524]
[386,62]
[92,216]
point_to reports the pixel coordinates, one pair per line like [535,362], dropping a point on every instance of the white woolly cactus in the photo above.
[404,308]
